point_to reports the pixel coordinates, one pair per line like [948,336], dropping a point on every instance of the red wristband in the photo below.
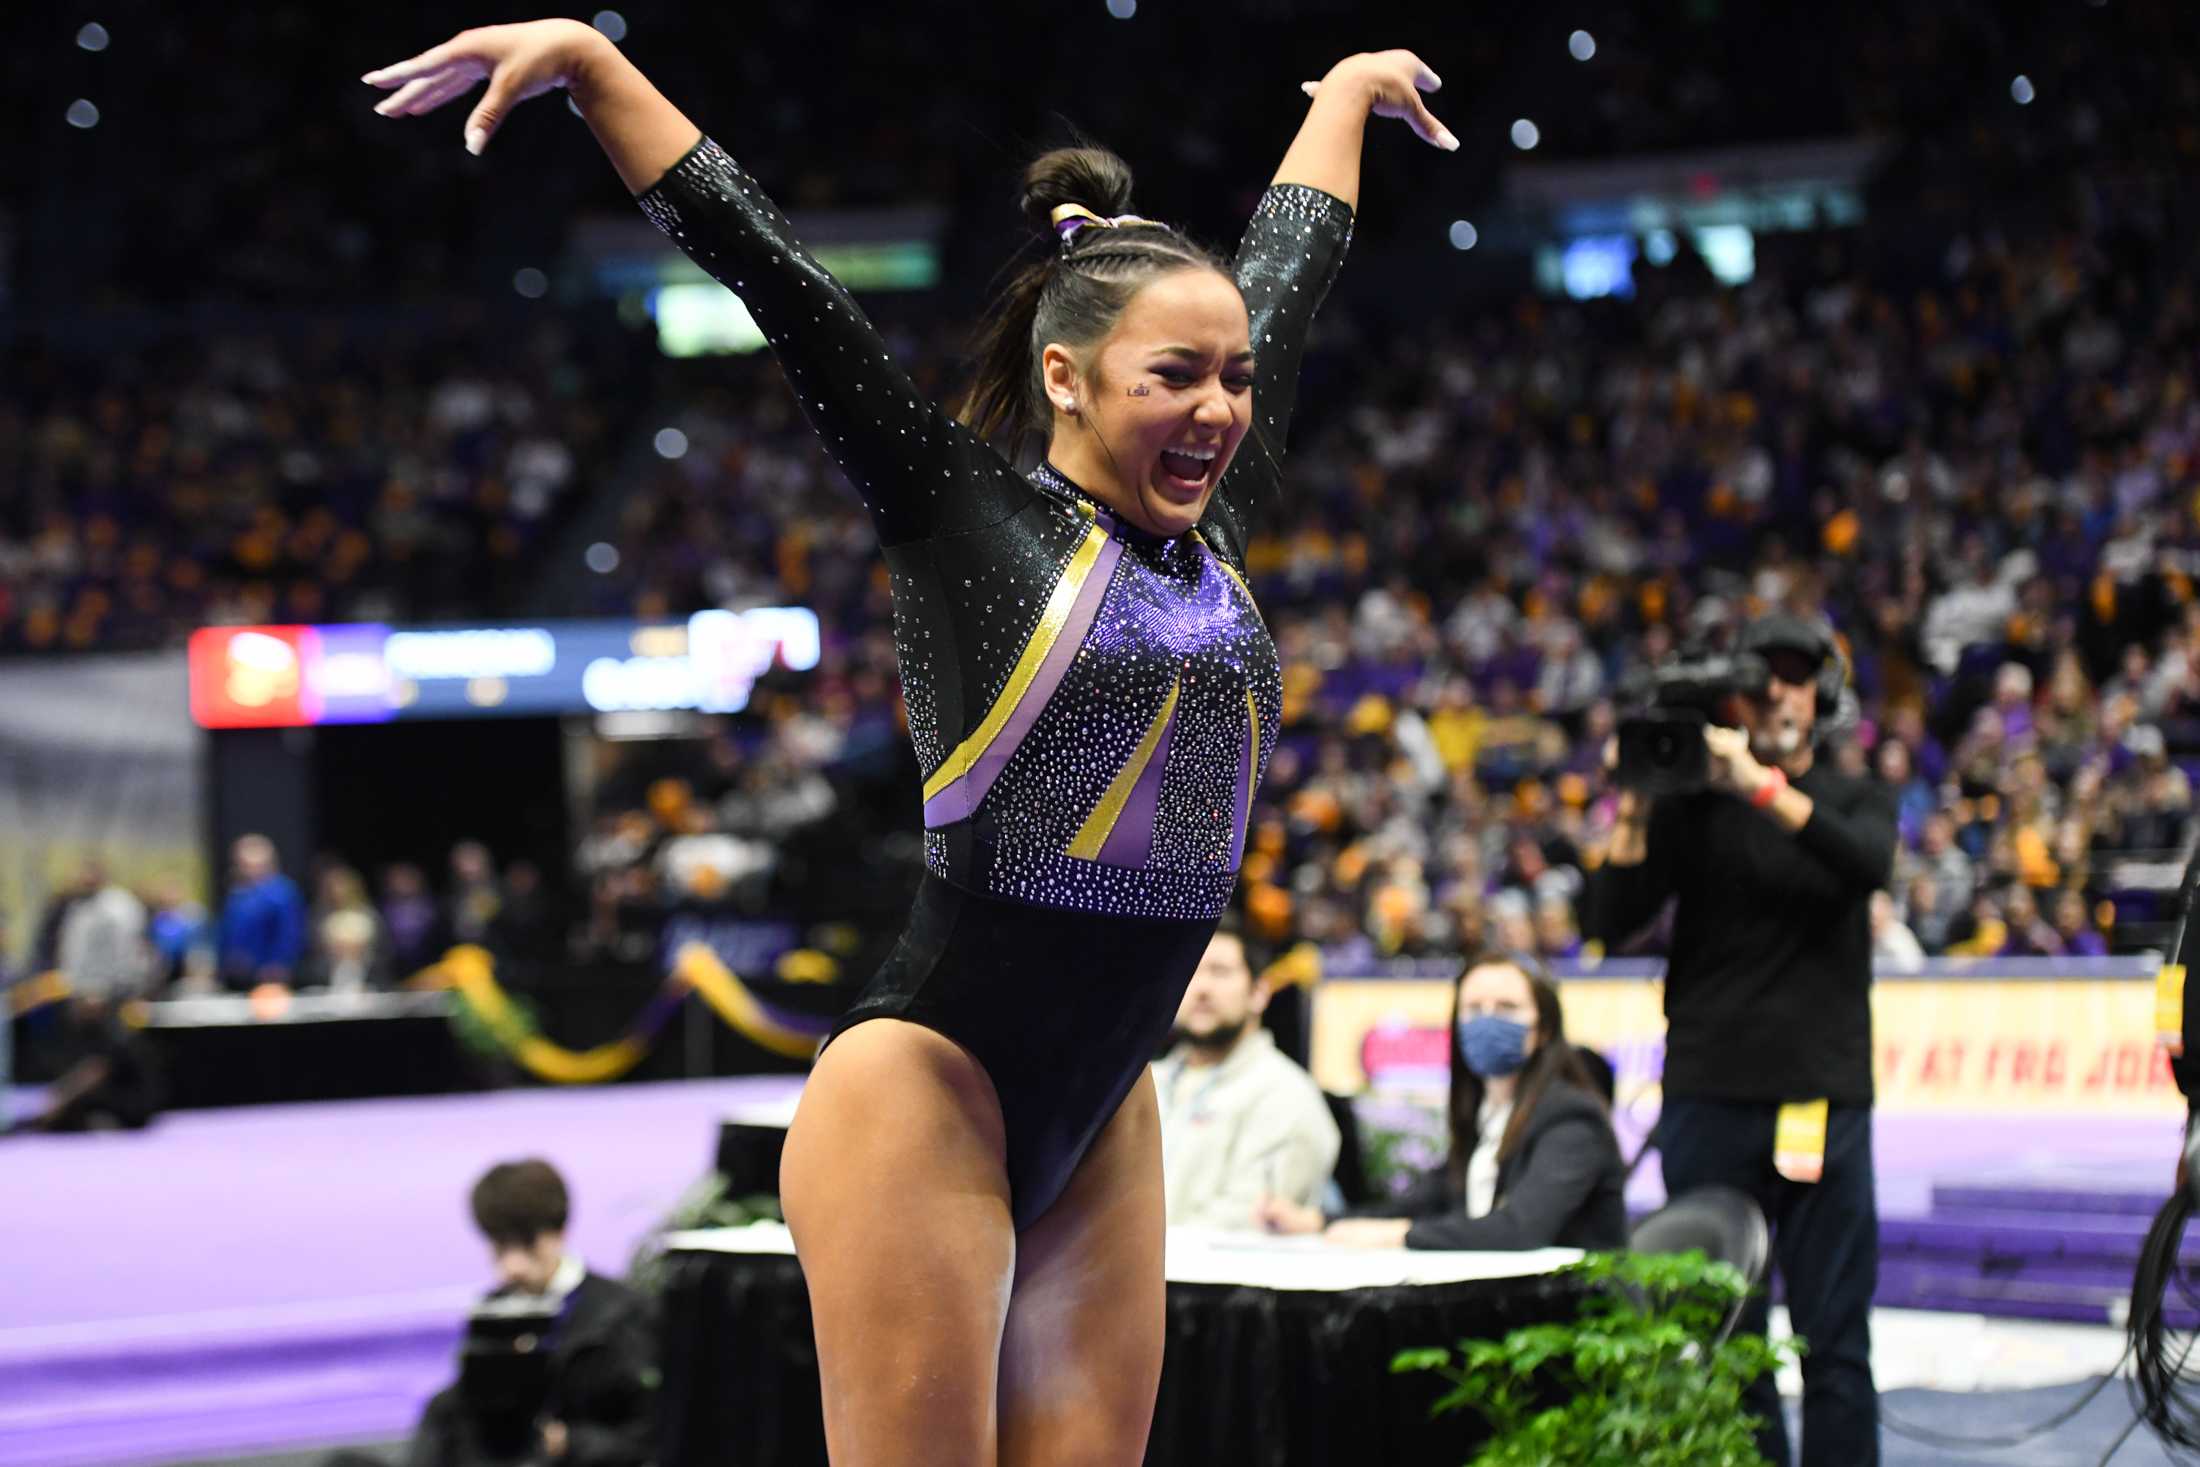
[1776,780]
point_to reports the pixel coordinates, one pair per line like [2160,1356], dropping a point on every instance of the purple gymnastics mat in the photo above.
[235,1280]
[241,1280]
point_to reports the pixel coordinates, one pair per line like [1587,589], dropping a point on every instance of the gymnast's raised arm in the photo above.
[1293,248]
[1326,152]
[918,471]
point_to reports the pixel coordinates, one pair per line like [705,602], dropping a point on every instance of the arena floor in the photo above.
[156,1315]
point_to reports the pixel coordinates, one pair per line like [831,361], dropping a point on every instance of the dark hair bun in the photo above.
[1093,177]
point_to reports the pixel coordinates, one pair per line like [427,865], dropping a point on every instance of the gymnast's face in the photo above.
[1147,419]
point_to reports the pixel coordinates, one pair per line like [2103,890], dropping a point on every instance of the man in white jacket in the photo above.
[1239,1119]
[103,952]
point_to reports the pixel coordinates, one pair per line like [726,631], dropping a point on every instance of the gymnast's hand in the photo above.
[1392,83]
[520,61]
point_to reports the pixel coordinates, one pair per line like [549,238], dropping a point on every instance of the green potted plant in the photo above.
[1645,1376]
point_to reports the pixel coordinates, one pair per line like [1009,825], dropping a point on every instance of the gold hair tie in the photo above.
[1069,218]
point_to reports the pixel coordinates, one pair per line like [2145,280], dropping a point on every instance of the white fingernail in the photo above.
[1447,142]
[476,140]
[372,76]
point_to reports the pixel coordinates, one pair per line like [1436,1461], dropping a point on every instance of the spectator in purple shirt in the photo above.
[2013,701]
[2030,935]
[409,913]
[2074,924]
[1914,798]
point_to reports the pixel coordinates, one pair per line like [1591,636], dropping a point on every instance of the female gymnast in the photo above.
[973,1178]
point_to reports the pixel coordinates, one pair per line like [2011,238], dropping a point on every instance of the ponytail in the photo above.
[1073,295]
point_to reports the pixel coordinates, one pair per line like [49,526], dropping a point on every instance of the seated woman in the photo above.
[1533,1161]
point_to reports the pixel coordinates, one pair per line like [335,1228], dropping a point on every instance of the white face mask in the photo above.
[1780,733]
[1774,741]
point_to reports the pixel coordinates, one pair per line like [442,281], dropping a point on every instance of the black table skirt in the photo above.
[1251,1377]
[342,1059]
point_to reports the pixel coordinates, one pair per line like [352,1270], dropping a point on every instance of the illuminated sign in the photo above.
[251,677]
[296,676]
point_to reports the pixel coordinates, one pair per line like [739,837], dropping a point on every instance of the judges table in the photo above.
[1278,1349]
[223,1049]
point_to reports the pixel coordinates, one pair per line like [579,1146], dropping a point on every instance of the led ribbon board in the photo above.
[301,676]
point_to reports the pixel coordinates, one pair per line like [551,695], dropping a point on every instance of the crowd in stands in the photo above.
[1974,448]
[1986,480]
[1988,484]
[323,474]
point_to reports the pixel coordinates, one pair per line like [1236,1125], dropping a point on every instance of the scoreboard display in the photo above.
[363,672]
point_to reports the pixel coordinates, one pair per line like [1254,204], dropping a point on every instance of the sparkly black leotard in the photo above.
[1093,705]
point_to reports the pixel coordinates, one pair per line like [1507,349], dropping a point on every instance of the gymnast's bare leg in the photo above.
[1081,1357]
[942,1337]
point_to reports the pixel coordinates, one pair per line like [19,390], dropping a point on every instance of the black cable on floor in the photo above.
[2167,1394]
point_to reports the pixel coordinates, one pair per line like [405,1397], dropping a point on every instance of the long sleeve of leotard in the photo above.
[1291,252]
[919,472]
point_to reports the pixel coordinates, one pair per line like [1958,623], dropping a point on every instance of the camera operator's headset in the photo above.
[1838,711]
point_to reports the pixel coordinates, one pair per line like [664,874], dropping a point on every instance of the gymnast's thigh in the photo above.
[896,1191]
[1081,1356]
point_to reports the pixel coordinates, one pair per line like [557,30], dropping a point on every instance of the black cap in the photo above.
[1783,631]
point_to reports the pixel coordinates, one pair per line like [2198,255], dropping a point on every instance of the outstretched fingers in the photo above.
[425,94]
[495,105]
[1424,122]
[1400,80]
[432,60]
[1415,111]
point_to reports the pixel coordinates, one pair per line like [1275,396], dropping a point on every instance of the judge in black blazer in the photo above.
[1533,1162]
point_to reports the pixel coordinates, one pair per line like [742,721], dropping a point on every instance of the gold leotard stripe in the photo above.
[1043,636]
[1100,824]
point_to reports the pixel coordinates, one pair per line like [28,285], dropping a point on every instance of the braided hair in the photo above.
[1074,294]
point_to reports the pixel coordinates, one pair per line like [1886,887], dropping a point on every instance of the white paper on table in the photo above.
[1243,1259]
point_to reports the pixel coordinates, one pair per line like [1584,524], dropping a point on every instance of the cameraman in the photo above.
[1772,864]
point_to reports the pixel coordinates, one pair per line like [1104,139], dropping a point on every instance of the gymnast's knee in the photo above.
[1093,1434]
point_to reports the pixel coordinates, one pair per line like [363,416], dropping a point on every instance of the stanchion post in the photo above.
[696,1021]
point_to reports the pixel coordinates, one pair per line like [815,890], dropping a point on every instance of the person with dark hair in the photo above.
[104,953]
[1239,1119]
[1532,1163]
[1092,696]
[1770,870]
[589,1400]
[522,1206]
[412,920]
[109,1080]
